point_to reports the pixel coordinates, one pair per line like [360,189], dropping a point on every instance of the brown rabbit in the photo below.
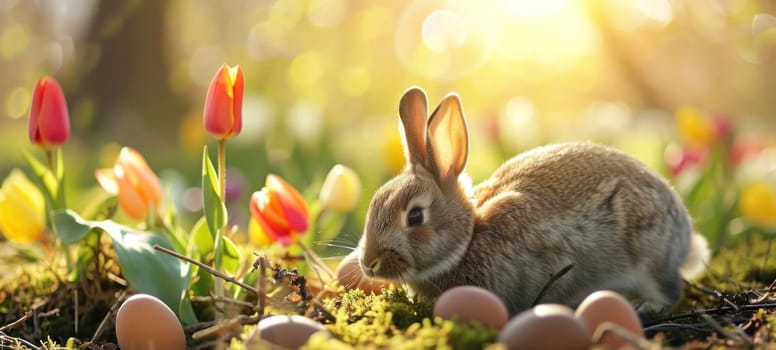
[616,222]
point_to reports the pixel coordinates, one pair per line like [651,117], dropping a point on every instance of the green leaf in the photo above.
[70,227]
[44,179]
[230,256]
[146,269]
[215,211]
[201,240]
[104,209]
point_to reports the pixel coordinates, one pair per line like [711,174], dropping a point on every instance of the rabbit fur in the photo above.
[617,223]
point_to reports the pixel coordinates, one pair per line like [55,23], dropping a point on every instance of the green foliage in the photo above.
[147,270]
[49,183]
[215,211]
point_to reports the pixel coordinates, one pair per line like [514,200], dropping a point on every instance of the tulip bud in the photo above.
[758,203]
[280,211]
[22,209]
[136,185]
[223,105]
[341,189]
[49,122]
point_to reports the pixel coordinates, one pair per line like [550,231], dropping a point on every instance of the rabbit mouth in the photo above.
[390,265]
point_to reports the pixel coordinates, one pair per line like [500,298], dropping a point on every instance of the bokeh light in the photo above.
[323,77]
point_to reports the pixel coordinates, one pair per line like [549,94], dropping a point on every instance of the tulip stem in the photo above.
[222,193]
[222,168]
[50,159]
[218,246]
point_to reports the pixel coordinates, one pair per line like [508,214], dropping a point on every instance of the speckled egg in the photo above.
[608,306]
[289,332]
[545,327]
[145,322]
[470,303]
[349,274]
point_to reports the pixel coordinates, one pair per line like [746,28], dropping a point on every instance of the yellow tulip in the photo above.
[695,128]
[393,151]
[341,189]
[22,209]
[758,203]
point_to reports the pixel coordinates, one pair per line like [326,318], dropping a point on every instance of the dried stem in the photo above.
[619,332]
[223,300]
[261,264]
[310,255]
[209,269]
[7,338]
[549,283]
[108,316]
[13,324]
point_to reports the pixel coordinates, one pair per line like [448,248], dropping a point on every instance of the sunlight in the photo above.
[445,40]
[444,30]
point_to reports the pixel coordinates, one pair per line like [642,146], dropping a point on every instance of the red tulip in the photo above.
[280,211]
[49,119]
[680,159]
[223,105]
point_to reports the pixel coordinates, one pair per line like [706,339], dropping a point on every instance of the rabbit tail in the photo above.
[697,257]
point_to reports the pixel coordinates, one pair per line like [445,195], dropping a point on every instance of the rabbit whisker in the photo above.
[338,243]
[333,257]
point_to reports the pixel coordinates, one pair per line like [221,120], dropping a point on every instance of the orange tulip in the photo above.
[134,182]
[280,211]
[223,105]
[49,120]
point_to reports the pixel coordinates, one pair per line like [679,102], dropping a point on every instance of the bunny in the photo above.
[616,222]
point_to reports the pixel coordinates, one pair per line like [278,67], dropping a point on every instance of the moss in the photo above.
[393,320]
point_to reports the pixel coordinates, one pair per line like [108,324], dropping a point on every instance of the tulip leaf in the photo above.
[215,211]
[44,179]
[200,241]
[230,256]
[146,269]
[69,227]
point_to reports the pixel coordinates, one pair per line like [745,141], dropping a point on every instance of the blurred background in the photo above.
[323,79]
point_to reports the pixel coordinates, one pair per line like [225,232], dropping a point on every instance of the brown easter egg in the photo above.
[145,322]
[288,332]
[545,327]
[469,303]
[607,306]
[349,274]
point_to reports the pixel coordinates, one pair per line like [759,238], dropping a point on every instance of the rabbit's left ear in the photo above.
[448,138]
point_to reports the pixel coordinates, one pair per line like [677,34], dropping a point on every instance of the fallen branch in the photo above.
[711,311]
[207,268]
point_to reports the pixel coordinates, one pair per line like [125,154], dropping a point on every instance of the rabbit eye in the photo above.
[415,217]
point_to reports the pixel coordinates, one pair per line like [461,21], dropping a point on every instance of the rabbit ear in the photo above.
[448,138]
[412,111]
